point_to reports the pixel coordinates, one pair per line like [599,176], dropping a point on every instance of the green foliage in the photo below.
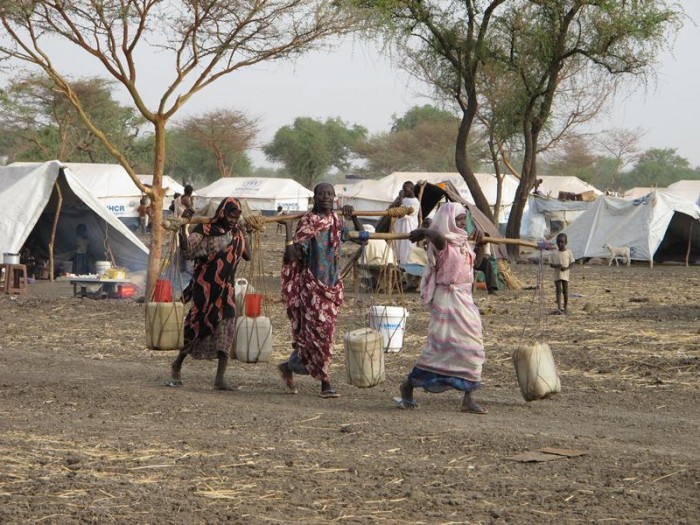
[38,123]
[211,145]
[418,115]
[309,148]
[191,161]
[659,167]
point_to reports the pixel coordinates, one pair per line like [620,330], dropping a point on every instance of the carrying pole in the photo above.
[401,236]
[176,222]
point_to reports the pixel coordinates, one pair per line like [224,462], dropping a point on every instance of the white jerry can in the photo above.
[253,341]
[165,326]
[536,371]
[364,357]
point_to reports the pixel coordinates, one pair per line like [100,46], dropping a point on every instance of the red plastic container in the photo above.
[253,304]
[162,292]
[126,290]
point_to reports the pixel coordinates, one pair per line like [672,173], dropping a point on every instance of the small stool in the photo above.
[15,278]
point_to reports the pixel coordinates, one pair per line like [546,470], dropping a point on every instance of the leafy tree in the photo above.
[423,139]
[623,146]
[659,167]
[38,123]
[201,41]
[445,44]
[310,148]
[418,115]
[542,43]
[219,137]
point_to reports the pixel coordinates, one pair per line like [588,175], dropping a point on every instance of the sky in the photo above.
[356,82]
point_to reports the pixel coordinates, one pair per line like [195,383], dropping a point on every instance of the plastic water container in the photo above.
[10,258]
[165,324]
[390,321]
[253,304]
[163,291]
[364,357]
[253,341]
[239,290]
[536,371]
[102,266]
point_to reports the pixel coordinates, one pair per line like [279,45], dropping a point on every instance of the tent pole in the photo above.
[690,241]
[59,204]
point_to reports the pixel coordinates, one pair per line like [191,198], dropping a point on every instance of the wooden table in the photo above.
[106,286]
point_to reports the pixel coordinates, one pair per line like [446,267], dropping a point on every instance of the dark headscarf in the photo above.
[218,226]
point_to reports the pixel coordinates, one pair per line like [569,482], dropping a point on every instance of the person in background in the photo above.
[176,198]
[144,212]
[562,261]
[210,325]
[280,212]
[489,265]
[408,223]
[187,200]
[454,352]
[81,252]
[313,290]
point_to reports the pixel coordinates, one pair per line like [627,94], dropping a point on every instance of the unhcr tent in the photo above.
[170,185]
[261,193]
[377,194]
[658,227]
[30,197]
[111,184]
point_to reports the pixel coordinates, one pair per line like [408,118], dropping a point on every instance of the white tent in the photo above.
[261,193]
[29,203]
[552,185]
[687,190]
[170,185]
[658,227]
[636,193]
[377,194]
[111,184]
[544,216]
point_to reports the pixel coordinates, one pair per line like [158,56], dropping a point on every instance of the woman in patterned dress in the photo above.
[454,352]
[312,289]
[210,325]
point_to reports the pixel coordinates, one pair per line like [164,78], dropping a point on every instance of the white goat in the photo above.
[618,251]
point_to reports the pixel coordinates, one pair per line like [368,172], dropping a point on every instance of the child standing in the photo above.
[280,212]
[562,261]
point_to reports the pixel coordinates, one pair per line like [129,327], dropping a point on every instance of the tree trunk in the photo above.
[462,161]
[527,179]
[157,232]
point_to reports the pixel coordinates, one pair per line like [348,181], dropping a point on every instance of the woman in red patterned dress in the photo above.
[210,325]
[312,289]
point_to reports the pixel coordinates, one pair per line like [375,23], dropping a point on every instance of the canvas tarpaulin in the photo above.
[27,213]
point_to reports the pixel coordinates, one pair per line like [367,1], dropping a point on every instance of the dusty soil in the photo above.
[89,434]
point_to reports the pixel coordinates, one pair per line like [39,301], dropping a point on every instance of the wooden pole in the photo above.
[394,212]
[400,236]
[690,241]
[52,240]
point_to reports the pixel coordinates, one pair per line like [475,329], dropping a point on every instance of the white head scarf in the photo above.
[444,222]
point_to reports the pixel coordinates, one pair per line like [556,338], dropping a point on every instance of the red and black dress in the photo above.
[210,325]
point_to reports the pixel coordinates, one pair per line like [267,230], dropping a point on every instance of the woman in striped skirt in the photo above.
[454,353]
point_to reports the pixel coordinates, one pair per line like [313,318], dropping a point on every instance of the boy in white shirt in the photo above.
[562,261]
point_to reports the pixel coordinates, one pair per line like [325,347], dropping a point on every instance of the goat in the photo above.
[618,251]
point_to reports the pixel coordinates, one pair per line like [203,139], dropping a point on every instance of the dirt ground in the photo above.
[90,434]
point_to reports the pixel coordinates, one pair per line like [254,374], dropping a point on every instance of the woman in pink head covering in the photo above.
[454,353]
